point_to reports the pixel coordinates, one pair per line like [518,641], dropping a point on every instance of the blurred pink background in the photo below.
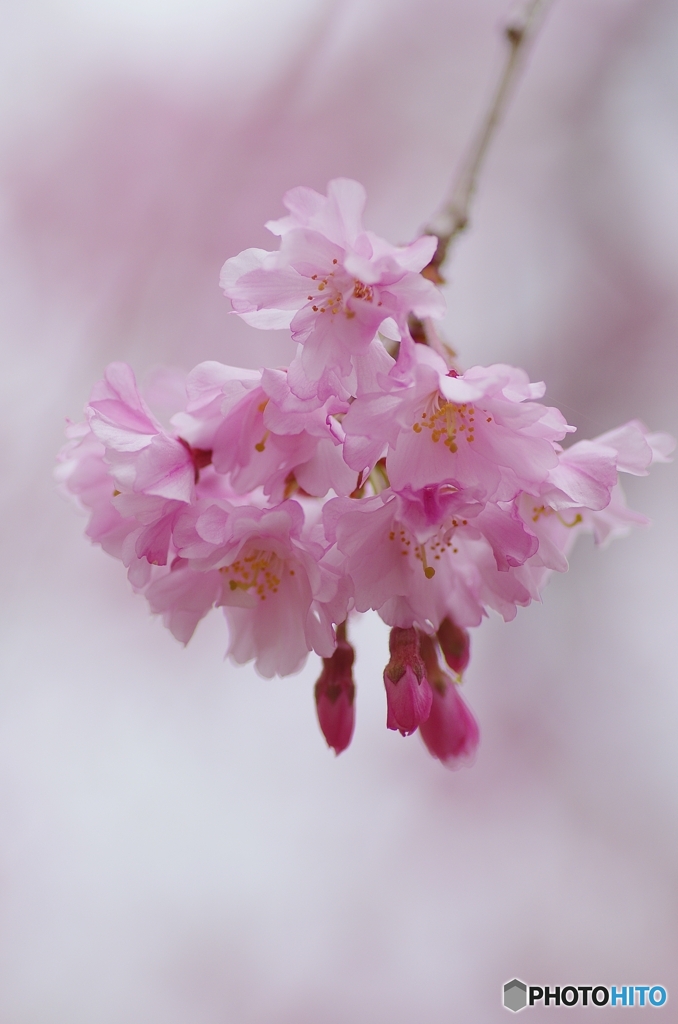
[178,845]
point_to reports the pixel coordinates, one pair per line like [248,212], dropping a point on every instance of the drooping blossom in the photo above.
[261,434]
[583,493]
[85,476]
[333,284]
[144,458]
[131,474]
[279,599]
[482,429]
[417,571]
[184,596]
[294,498]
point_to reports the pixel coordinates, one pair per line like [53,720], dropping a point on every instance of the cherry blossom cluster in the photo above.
[368,474]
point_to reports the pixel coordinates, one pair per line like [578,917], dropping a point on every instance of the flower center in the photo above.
[363,291]
[329,298]
[260,571]
[445,419]
[431,550]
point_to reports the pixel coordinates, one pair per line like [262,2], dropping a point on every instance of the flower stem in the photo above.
[453,218]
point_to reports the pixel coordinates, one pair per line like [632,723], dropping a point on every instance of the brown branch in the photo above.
[453,218]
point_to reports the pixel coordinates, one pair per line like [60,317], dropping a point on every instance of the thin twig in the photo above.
[454,216]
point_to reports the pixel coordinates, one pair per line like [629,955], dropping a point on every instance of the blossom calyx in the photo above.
[408,692]
[335,696]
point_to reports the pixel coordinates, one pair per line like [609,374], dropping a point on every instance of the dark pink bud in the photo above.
[408,693]
[455,644]
[335,696]
[450,732]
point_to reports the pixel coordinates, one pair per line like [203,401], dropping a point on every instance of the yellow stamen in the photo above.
[429,571]
[261,445]
[259,571]
[577,519]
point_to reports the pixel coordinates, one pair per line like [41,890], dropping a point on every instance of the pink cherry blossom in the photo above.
[212,389]
[85,476]
[480,429]
[153,472]
[279,599]
[291,497]
[418,574]
[583,492]
[133,476]
[133,528]
[262,435]
[332,283]
[143,457]
[183,597]
[408,693]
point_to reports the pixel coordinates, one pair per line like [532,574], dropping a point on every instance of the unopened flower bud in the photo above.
[408,693]
[335,696]
[455,644]
[450,732]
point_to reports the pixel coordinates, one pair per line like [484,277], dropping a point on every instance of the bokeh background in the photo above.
[177,845]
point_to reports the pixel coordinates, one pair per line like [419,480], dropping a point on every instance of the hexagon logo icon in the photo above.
[515,995]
